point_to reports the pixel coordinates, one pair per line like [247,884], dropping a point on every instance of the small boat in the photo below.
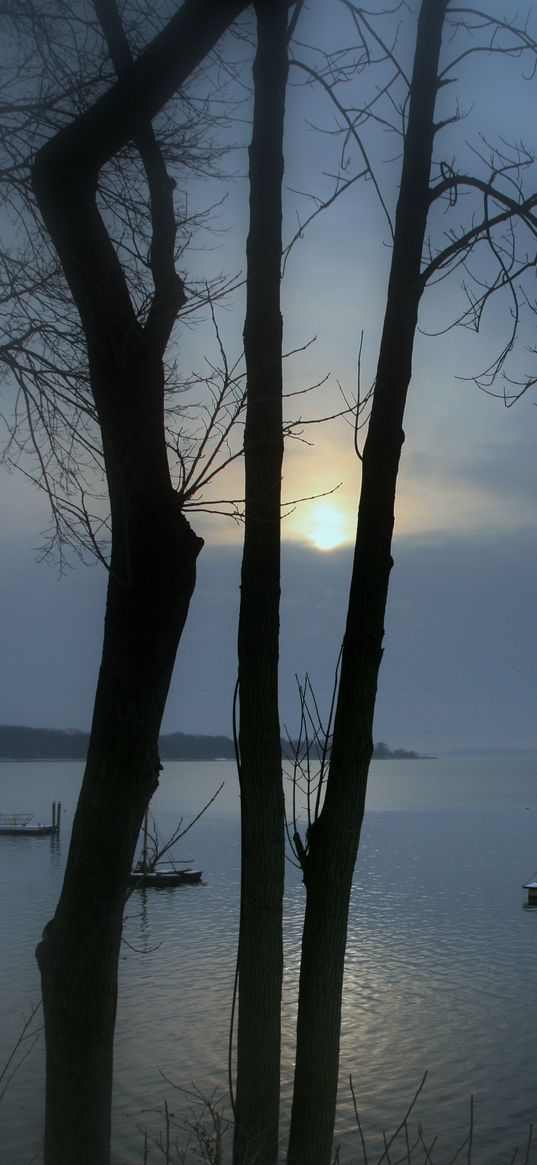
[20,824]
[161,877]
[531,887]
[150,871]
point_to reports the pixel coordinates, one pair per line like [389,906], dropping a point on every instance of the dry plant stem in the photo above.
[404,1122]
[19,1052]
[358,1122]
[167,1157]
[471,1133]
[427,1151]
[204,1126]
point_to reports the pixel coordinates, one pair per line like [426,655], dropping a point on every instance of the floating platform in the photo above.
[20,824]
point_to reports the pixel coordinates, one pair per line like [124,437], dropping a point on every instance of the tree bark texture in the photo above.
[152,574]
[152,571]
[260,957]
[78,956]
[334,838]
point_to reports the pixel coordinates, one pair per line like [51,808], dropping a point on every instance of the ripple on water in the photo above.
[439,973]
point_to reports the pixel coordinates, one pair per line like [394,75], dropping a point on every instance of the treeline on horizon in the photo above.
[18,742]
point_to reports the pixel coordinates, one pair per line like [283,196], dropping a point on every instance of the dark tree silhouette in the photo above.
[153,557]
[333,839]
[152,570]
[328,853]
[260,959]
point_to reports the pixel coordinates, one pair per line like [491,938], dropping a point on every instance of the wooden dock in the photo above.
[22,824]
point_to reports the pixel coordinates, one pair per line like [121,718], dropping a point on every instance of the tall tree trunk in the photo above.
[78,956]
[152,574]
[152,569]
[260,958]
[333,840]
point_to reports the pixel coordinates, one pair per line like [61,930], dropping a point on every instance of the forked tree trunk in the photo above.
[152,573]
[333,840]
[260,958]
[78,956]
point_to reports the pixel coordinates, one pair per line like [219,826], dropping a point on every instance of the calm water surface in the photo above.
[441,966]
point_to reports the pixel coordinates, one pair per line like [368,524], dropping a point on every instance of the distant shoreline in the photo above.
[19,742]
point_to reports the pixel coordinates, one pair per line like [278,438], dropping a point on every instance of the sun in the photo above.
[327,526]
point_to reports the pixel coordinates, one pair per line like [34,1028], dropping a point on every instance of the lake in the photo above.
[440,974]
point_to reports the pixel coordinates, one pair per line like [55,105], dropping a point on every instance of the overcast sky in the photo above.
[459,670]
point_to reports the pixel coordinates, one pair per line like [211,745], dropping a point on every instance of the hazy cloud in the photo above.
[460,663]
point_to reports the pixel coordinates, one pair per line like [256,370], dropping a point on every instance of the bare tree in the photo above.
[152,563]
[328,852]
[57,61]
[123,339]
[329,856]
[260,958]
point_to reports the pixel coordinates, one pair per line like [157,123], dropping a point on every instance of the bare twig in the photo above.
[24,1044]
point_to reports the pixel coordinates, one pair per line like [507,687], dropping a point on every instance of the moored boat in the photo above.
[150,871]
[161,877]
[531,887]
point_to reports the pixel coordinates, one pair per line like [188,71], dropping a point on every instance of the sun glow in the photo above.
[327,526]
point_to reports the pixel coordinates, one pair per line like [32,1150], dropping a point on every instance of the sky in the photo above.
[460,664]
